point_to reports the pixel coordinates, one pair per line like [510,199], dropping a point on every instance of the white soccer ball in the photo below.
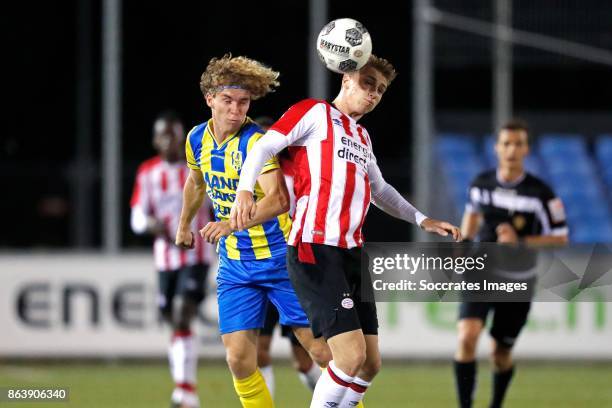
[344,45]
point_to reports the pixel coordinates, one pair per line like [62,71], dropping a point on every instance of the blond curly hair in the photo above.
[240,72]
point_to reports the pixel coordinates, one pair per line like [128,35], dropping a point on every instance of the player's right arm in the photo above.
[276,197]
[142,219]
[470,223]
[193,196]
[297,123]
[472,217]
[264,149]
[142,223]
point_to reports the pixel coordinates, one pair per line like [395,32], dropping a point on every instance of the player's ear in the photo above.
[209,99]
[346,78]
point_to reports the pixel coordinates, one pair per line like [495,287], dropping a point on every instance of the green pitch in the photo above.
[400,384]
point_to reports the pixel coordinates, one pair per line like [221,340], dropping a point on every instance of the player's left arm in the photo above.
[537,240]
[546,239]
[506,234]
[387,198]
[276,197]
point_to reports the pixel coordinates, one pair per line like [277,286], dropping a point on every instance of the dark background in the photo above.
[166,46]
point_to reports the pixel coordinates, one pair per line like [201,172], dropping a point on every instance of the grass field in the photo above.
[405,384]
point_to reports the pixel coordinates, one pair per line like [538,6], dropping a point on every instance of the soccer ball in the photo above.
[344,45]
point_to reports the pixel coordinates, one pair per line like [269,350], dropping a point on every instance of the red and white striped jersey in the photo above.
[158,193]
[332,158]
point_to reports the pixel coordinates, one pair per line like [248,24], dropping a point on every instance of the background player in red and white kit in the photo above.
[156,207]
[335,179]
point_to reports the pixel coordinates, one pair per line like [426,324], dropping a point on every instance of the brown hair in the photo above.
[383,66]
[241,72]
[515,125]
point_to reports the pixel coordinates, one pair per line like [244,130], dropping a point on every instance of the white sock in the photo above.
[268,375]
[310,377]
[183,358]
[331,387]
[355,393]
[182,396]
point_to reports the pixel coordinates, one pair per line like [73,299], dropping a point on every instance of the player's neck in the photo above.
[510,174]
[342,105]
[170,158]
[221,133]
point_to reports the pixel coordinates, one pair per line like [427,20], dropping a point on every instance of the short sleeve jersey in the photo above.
[331,157]
[528,204]
[220,165]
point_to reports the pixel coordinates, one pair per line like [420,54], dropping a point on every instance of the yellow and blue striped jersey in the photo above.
[221,164]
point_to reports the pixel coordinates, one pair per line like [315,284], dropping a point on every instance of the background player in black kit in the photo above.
[506,205]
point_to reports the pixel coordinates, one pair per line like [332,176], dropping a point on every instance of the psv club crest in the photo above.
[237,160]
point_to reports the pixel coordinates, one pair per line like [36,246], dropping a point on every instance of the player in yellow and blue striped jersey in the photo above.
[252,266]
[220,164]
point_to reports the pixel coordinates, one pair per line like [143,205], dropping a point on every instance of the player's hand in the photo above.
[185,239]
[506,234]
[156,227]
[242,211]
[159,229]
[213,231]
[442,228]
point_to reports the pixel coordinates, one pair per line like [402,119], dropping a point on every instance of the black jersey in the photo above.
[528,204]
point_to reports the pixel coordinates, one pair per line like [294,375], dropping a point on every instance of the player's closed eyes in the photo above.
[372,85]
[239,103]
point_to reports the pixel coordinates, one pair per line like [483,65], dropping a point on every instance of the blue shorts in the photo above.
[244,287]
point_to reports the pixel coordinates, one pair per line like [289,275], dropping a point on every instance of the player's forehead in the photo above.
[371,73]
[167,127]
[237,94]
[512,136]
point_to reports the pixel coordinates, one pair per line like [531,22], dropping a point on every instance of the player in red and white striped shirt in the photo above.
[156,207]
[335,179]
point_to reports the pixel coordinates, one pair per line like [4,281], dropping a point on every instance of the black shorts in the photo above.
[188,282]
[270,323]
[508,318]
[330,291]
